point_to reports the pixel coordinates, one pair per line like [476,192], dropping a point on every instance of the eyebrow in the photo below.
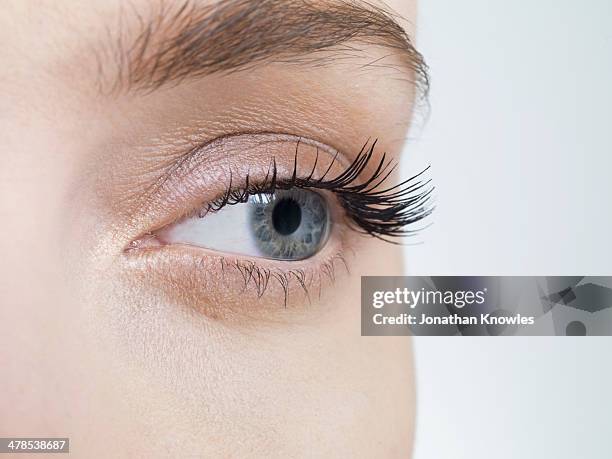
[193,40]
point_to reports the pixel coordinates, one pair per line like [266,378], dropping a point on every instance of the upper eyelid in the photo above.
[195,153]
[273,181]
[271,138]
[192,175]
[336,159]
[381,213]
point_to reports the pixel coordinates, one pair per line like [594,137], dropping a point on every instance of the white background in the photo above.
[520,142]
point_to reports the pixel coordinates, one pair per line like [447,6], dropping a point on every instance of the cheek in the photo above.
[279,376]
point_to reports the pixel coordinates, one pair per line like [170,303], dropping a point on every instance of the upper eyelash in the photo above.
[382,213]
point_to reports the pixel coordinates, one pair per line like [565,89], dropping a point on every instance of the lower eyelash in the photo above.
[259,277]
[381,213]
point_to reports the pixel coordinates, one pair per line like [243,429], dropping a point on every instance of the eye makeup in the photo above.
[280,229]
[374,207]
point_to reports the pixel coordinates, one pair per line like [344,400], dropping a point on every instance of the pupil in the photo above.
[286,216]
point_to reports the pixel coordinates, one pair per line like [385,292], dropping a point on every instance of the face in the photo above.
[189,197]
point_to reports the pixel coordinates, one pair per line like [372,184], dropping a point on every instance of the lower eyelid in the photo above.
[224,285]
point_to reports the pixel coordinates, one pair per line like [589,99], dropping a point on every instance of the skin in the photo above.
[133,358]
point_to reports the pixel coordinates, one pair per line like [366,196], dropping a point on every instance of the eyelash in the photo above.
[260,276]
[383,214]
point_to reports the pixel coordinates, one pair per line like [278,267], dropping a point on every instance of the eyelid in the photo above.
[375,207]
[203,175]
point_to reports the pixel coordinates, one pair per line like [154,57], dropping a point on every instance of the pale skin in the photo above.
[133,358]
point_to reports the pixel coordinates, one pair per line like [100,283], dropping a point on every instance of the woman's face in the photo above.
[153,302]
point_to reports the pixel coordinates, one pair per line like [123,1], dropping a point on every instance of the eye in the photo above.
[284,225]
[229,226]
